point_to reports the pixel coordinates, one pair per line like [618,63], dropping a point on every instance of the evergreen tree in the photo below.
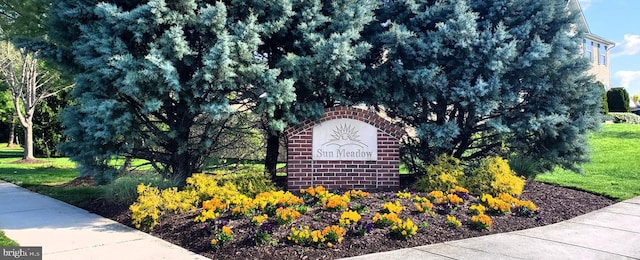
[476,78]
[618,100]
[296,58]
[159,80]
[319,47]
[605,103]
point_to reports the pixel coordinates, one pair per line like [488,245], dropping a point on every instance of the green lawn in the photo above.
[614,170]
[46,178]
[5,241]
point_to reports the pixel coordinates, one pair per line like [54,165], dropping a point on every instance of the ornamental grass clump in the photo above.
[404,229]
[348,218]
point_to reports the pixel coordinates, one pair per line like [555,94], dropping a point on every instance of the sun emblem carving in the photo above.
[343,135]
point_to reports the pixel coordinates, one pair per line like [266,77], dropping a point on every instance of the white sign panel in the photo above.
[345,140]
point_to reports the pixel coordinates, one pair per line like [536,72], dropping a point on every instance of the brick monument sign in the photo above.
[348,148]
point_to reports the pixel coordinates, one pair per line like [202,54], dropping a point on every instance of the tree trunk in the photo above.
[28,143]
[271,160]
[12,132]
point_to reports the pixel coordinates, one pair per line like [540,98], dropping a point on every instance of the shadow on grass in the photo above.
[10,153]
[618,134]
[78,196]
[51,181]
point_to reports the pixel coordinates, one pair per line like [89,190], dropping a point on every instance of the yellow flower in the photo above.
[226,230]
[214,241]
[349,217]
[391,207]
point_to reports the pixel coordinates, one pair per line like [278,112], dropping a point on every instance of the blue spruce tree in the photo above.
[319,47]
[478,78]
[159,80]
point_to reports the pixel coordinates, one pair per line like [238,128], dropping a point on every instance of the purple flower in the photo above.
[462,195]
[267,227]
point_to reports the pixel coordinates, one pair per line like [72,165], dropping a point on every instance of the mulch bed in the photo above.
[555,204]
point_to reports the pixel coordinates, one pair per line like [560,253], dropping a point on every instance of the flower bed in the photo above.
[257,236]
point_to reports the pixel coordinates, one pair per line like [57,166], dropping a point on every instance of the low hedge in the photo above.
[626,118]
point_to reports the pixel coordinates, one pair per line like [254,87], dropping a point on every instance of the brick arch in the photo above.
[383,172]
[363,115]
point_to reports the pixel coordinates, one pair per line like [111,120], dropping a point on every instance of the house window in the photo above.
[588,49]
[602,54]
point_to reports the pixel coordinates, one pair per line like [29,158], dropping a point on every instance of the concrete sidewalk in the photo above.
[609,233]
[67,232]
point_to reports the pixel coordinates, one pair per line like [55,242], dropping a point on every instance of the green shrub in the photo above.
[494,176]
[446,173]
[525,166]
[626,118]
[605,103]
[618,100]
[123,190]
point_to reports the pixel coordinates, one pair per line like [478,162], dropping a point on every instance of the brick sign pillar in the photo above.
[348,148]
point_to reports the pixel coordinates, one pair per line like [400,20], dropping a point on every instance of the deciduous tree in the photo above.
[29,86]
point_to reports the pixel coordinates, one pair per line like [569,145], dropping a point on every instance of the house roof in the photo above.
[583,26]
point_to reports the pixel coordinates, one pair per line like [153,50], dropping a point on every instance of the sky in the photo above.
[618,21]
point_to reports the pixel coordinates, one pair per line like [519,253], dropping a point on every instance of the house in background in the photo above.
[594,47]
